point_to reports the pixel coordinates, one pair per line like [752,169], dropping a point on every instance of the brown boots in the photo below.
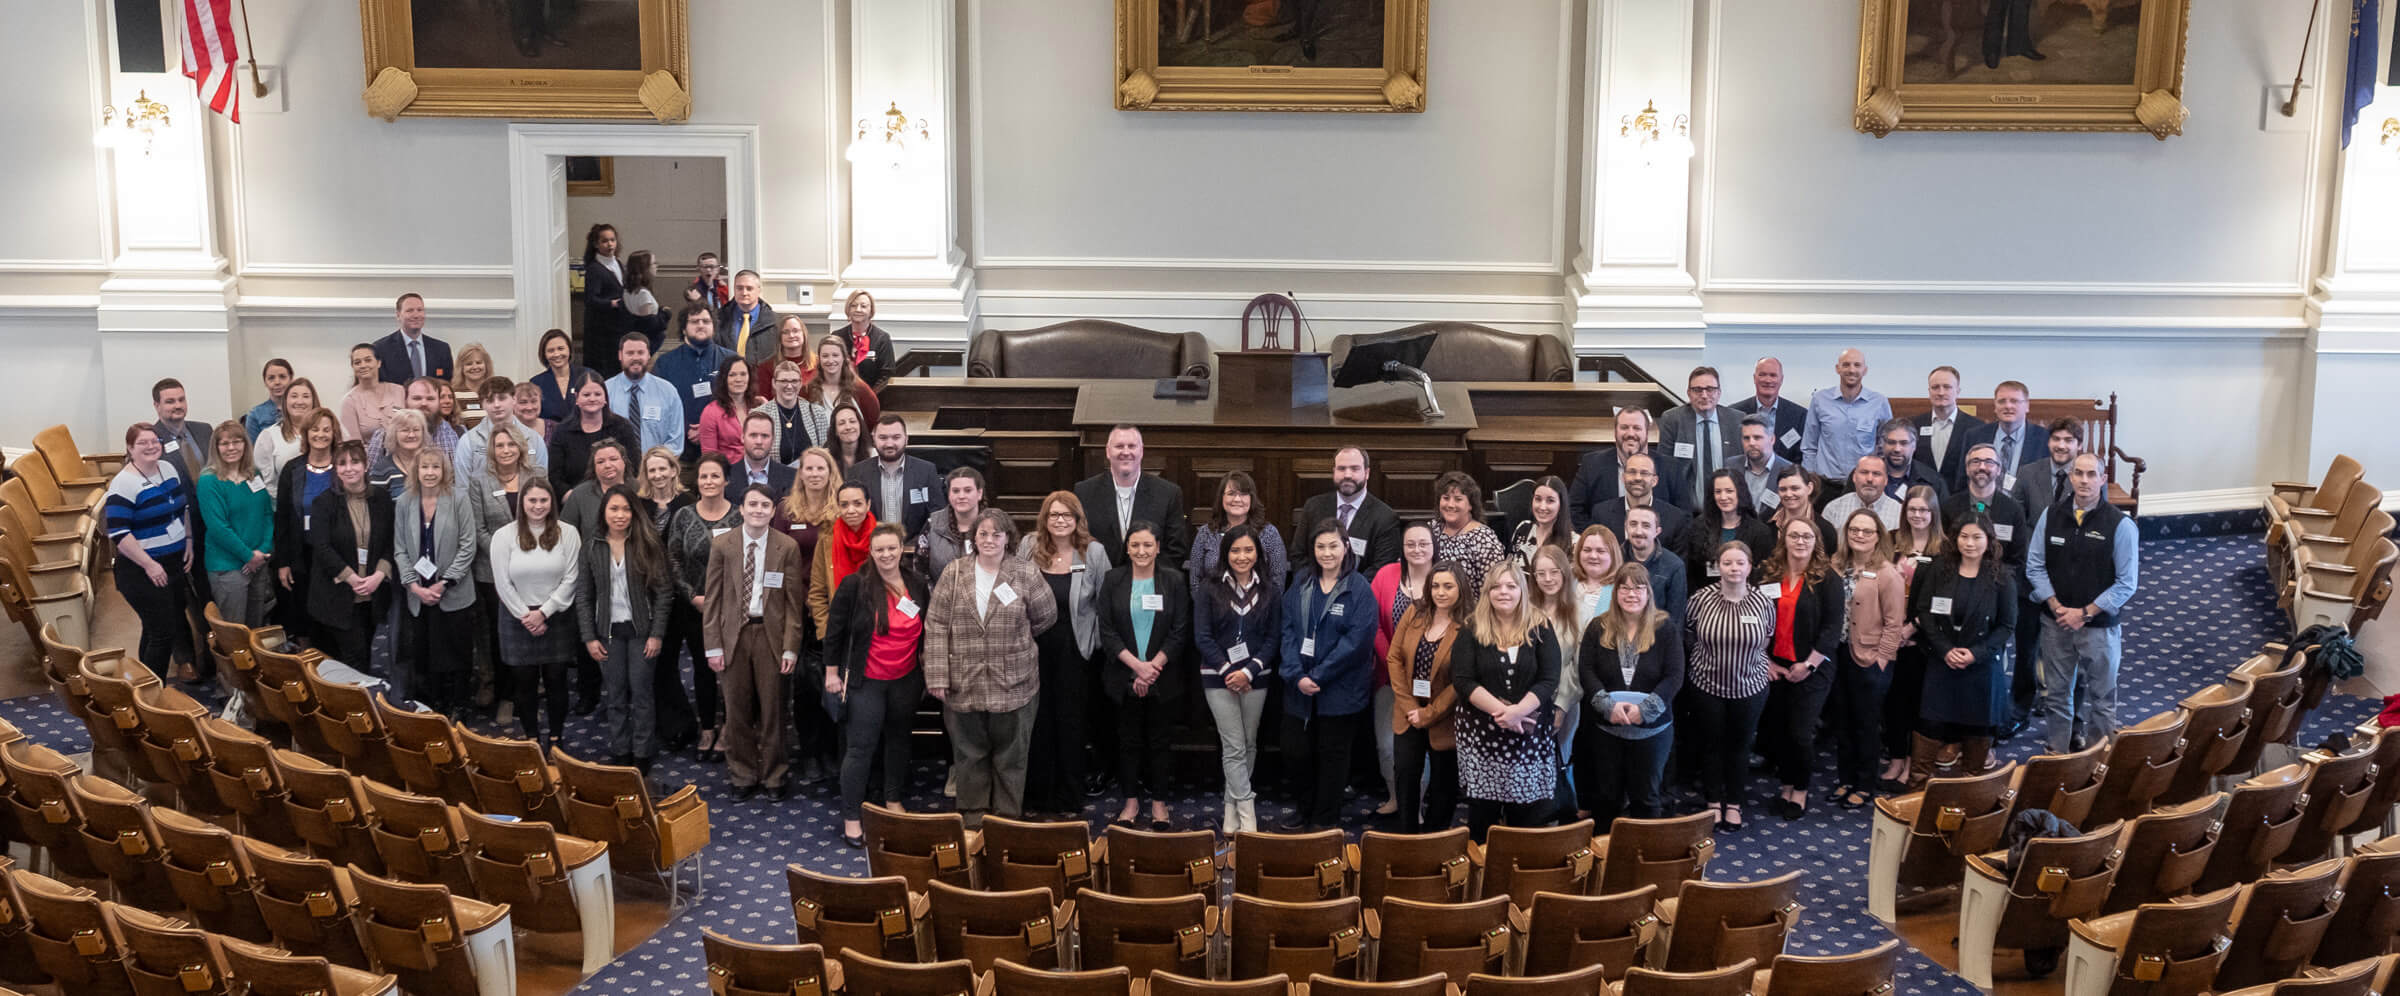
[1924,755]
[1929,757]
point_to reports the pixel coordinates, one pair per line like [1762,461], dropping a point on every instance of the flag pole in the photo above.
[2291,101]
[258,87]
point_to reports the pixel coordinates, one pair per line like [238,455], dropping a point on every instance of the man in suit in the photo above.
[751,630]
[1116,498]
[2042,481]
[1896,443]
[748,322]
[2013,438]
[1785,417]
[1599,476]
[1706,435]
[2012,530]
[1373,528]
[408,353]
[900,488]
[1759,465]
[1944,433]
[758,464]
[1640,480]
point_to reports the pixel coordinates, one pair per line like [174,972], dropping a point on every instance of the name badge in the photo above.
[1869,575]
[1712,570]
[2058,541]
[304,517]
[773,579]
[1772,591]
[1076,569]
[1308,646]
[1683,451]
[2008,483]
[173,445]
[1421,688]
[1336,608]
[649,413]
[1005,594]
[1749,620]
[1925,430]
[499,492]
[424,566]
[916,496]
[2004,531]
[906,606]
[258,484]
[719,531]
[870,356]
[1358,546]
[362,557]
[701,390]
[1237,653]
[799,527]
[1941,606]
[1154,603]
[1790,437]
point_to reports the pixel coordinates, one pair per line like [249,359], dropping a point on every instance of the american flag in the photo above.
[209,54]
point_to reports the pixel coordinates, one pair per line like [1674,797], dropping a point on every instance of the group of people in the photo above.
[704,514]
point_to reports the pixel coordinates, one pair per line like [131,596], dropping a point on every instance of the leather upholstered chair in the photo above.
[1088,348]
[1467,352]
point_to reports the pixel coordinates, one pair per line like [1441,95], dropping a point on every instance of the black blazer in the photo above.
[1475,664]
[1596,483]
[850,621]
[1155,500]
[778,479]
[1374,522]
[2006,515]
[917,476]
[1659,671]
[392,352]
[650,605]
[1170,631]
[1698,545]
[1919,472]
[1954,460]
[1790,416]
[1817,620]
[571,448]
[876,369]
[291,521]
[333,546]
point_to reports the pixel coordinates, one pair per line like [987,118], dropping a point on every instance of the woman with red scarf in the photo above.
[841,549]
[870,347]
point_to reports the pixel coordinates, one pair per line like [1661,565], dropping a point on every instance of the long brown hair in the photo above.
[283,409]
[1487,622]
[1560,609]
[1044,547]
[643,552]
[1936,538]
[1616,627]
[1780,563]
[1845,561]
[527,539]
[870,578]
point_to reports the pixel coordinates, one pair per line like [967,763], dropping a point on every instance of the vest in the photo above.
[2082,559]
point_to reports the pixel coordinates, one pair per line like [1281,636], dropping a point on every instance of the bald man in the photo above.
[1842,419]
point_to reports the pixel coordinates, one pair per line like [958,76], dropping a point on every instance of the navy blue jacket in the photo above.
[1343,663]
[1216,628]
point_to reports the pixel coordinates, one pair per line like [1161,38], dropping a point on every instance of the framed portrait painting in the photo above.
[587,59]
[1270,55]
[2021,65]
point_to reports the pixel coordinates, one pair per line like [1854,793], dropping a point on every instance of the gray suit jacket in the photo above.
[2036,488]
[1083,608]
[457,531]
[1681,426]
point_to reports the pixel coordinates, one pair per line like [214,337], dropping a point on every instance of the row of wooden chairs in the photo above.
[2333,914]
[2329,548]
[53,534]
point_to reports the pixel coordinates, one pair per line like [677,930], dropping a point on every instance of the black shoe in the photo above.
[1162,826]
[1294,823]
[621,760]
[1094,786]
[1991,61]
[744,793]
[2031,54]
[2014,727]
[853,843]
[1308,49]
[780,792]
[642,764]
[1788,809]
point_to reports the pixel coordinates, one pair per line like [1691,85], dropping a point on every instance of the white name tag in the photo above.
[701,390]
[1869,575]
[1154,603]
[173,445]
[1005,594]
[774,579]
[1772,591]
[870,356]
[1941,606]
[1358,546]
[1925,430]
[1712,570]
[1683,451]
[649,413]
[362,556]
[1421,688]
[1308,646]
[304,517]
[2058,541]
[719,531]
[499,492]
[2004,531]
[424,566]
[907,606]
[1336,608]
[2008,483]
[258,484]
[1790,437]
[799,527]
[916,496]
[1749,620]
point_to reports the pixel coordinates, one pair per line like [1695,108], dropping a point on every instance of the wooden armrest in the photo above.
[1519,918]
[2312,513]
[983,984]
[2338,570]
[1902,808]
[575,852]
[1475,854]
[475,915]
[1374,924]
[685,798]
[1981,864]
[1063,916]
[922,361]
[2140,466]
[1600,848]
[1097,852]
[974,843]
[2290,487]
[920,905]
[2107,932]
[1350,857]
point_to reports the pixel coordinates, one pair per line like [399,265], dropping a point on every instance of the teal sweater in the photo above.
[237,520]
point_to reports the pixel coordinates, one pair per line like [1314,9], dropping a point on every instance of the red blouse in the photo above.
[893,654]
[1787,601]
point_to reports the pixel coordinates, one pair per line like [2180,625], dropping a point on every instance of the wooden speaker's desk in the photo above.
[1038,436]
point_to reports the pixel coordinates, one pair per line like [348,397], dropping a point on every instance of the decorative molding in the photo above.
[2168,327]
[2009,287]
[369,271]
[53,266]
[1504,268]
[2211,500]
[49,306]
[266,306]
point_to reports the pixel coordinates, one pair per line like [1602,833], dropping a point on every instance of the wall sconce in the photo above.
[888,143]
[143,119]
[1654,141]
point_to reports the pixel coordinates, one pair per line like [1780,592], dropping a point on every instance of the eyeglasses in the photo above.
[1069,516]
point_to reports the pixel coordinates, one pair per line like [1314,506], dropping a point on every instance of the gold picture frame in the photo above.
[1894,93]
[480,76]
[591,176]
[1396,83]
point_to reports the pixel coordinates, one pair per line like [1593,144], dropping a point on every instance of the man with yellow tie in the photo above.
[2084,566]
[747,322]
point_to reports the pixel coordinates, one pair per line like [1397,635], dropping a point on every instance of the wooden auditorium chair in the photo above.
[1426,867]
[1164,934]
[2262,815]
[1060,857]
[612,805]
[2169,948]
[1585,981]
[1731,980]
[551,882]
[274,972]
[2279,921]
[1011,979]
[1713,924]
[308,904]
[920,847]
[1520,861]
[1294,939]
[1171,984]
[73,939]
[1919,841]
[123,841]
[1294,868]
[2165,852]
[1450,940]
[1563,933]
[2216,725]
[210,874]
[434,941]
[1026,926]
[1662,852]
[1431,985]
[2143,760]
[2368,923]
[877,915]
[745,968]
[862,973]
[168,957]
[512,777]
[2354,979]
[2058,880]
[419,838]
[1861,973]
[1143,864]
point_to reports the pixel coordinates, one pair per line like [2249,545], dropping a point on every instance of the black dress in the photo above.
[1058,725]
[1979,614]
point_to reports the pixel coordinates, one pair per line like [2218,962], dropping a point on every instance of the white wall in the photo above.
[675,208]
[52,195]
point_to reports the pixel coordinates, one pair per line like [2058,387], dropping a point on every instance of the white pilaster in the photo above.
[904,245]
[2353,352]
[1632,286]
[166,309]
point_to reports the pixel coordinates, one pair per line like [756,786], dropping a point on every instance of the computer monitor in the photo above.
[1375,360]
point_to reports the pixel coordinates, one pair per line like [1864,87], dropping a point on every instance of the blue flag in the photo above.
[2364,15]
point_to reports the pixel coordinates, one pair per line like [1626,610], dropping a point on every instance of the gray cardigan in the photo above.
[593,592]
[491,512]
[457,532]
[1084,608]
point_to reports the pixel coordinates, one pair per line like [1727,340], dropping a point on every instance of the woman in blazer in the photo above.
[622,604]
[1396,587]
[1071,563]
[1726,518]
[1878,623]
[869,346]
[1329,666]
[1145,620]
[1965,608]
[433,545]
[493,491]
[304,478]
[1237,624]
[980,661]
[1505,671]
[349,557]
[874,643]
[605,317]
[1809,605]
[1424,731]
[536,562]
[1632,666]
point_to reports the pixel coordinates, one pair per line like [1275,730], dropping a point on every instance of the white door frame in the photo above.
[536,210]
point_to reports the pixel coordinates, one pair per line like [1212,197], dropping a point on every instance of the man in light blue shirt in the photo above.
[1842,420]
[2084,564]
[647,402]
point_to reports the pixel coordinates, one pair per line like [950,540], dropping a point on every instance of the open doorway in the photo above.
[670,209]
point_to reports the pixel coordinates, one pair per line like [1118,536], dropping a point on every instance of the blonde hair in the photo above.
[458,376]
[798,507]
[1616,555]
[401,419]
[1487,622]
[1616,627]
[674,483]
[415,488]
[1561,608]
[508,430]
[243,471]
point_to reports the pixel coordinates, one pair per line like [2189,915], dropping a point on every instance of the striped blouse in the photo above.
[1729,642]
[150,509]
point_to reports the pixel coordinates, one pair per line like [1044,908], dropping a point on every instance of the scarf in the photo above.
[859,343]
[849,548]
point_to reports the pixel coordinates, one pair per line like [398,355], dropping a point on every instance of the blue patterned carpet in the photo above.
[2204,606]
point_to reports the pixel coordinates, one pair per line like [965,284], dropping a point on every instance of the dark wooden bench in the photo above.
[2099,420]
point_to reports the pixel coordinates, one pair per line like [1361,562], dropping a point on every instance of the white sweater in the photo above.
[521,576]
